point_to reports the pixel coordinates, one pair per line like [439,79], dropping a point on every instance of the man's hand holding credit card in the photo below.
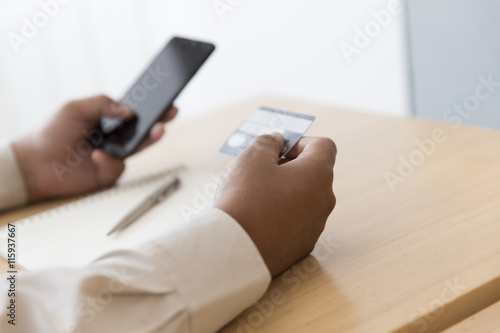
[267,120]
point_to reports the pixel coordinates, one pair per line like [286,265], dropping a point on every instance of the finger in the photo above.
[321,149]
[172,112]
[284,160]
[299,147]
[265,148]
[158,129]
[109,168]
[94,108]
[155,135]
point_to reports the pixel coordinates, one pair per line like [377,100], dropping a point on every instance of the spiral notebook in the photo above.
[75,234]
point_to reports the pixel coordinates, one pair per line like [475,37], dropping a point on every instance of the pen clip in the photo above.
[168,191]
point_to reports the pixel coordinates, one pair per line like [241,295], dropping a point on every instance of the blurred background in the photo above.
[293,48]
[437,58]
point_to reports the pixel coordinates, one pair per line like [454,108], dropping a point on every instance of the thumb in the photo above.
[108,167]
[92,109]
[265,148]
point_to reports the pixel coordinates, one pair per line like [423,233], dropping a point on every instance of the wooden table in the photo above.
[419,256]
[486,320]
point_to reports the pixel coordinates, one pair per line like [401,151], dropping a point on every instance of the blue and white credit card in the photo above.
[266,121]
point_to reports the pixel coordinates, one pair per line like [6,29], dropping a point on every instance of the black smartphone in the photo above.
[152,95]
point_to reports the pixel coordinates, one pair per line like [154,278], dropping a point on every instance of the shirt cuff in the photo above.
[216,269]
[12,187]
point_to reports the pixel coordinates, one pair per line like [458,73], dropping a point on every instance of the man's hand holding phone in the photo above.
[58,161]
[152,95]
[61,159]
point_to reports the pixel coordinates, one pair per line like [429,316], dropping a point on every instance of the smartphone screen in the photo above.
[153,93]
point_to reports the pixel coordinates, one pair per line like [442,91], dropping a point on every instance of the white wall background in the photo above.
[285,47]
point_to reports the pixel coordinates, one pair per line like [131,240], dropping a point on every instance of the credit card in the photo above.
[267,120]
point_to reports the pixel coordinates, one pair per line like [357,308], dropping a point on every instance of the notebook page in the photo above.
[74,235]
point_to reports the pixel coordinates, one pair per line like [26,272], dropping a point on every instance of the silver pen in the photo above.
[167,187]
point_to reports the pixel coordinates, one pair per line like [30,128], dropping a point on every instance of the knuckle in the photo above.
[71,106]
[328,144]
[103,99]
[332,202]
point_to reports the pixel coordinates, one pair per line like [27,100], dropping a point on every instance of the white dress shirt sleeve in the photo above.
[195,279]
[12,188]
